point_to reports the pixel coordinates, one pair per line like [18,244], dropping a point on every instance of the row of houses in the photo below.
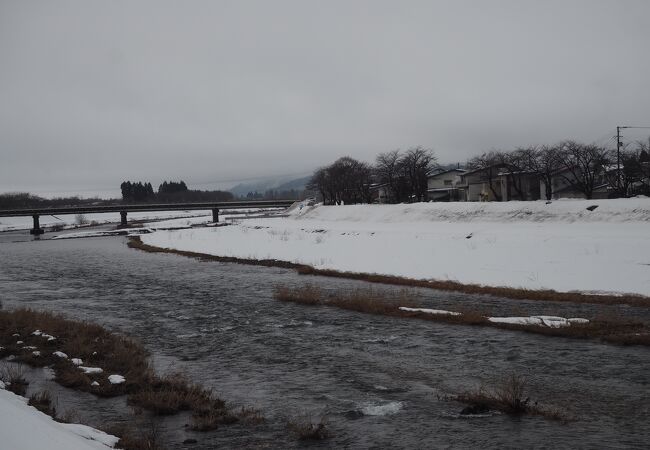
[499,184]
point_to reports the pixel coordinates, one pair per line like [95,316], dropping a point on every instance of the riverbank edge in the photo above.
[160,395]
[607,330]
[636,300]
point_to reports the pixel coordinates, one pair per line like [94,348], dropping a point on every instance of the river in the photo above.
[379,381]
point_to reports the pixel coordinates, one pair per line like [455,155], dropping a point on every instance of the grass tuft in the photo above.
[13,375]
[510,396]
[43,402]
[144,437]
[307,430]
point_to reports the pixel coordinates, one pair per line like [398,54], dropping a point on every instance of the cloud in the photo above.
[96,92]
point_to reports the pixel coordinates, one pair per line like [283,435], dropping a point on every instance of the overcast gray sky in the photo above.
[94,92]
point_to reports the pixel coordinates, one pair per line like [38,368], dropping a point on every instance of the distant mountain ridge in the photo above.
[276,184]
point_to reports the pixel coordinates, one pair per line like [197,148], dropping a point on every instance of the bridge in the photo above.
[125,209]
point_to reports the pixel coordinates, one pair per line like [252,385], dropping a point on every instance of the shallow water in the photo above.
[378,380]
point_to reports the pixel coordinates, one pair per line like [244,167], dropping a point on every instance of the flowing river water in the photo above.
[381,382]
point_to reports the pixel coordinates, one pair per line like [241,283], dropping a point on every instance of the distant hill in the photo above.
[277,184]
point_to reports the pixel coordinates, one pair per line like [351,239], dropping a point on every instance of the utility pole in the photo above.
[618,159]
[619,144]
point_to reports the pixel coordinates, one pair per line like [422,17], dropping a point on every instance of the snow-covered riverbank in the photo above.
[565,245]
[23,427]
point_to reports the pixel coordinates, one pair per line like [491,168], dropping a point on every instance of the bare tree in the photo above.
[320,182]
[387,171]
[489,164]
[512,164]
[584,165]
[417,163]
[345,181]
[545,162]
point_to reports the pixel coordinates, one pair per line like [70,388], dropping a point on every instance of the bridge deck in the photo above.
[125,209]
[145,207]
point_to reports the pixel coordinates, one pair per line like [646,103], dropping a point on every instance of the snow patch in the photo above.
[91,370]
[60,354]
[116,379]
[548,321]
[77,361]
[91,434]
[26,428]
[382,410]
[430,311]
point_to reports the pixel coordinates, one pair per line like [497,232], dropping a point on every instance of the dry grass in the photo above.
[174,393]
[43,402]
[211,419]
[251,415]
[307,430]
[443,285]
[95,345]
[13,375]
[361,300]
[509,396]
[115,354]
[69,416]
[499,291]
[143,437]
[613,329]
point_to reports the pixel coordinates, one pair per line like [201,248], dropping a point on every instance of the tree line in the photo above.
[24,200]
[403,175]
[275,194]
[169,192]
[583,167]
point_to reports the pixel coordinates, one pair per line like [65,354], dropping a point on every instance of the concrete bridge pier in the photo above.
[122,218]
[215,215]
[36,230]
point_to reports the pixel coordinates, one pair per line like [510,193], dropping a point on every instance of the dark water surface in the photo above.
[378,380]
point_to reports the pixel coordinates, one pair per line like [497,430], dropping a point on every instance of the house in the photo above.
[563,185]
[498,183]
[379,192]
[442,186]
[519,185]
[481,185]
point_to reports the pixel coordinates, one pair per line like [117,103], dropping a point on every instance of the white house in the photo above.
[481,185]
[443,186]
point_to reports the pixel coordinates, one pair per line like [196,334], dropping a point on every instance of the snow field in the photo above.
[532,245]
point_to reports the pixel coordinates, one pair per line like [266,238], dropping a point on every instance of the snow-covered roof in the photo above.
[443,172]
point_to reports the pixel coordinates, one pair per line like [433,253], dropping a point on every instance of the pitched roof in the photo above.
[442,172]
